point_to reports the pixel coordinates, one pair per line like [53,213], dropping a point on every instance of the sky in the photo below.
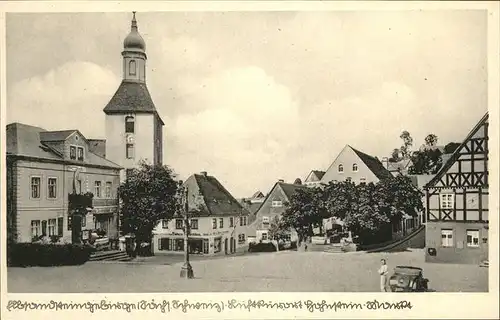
[254,97]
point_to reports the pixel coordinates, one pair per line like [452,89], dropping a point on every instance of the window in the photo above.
[165,244]
[355,167]
[128,173]
[44,227]
[277,204]
[52,188]
[80,153]
[472,238]
[164,224]
[244,221]
[178,244]
[97,189]
[447,201]
[221,222]
[69,223]
[84,221]
[130,151]
[214,223]
[60,226]
[362,180]
[129,125]
[231,222]
[341,168]
[446,237]
[241,238]
[265,222]
[264,236]
[36,230]
[132,66]
[179,223]
[108,189]
[72,152]
[348,179]
[52,227]
[35,187]
[194,224]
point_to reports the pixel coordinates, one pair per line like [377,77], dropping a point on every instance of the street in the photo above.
[288,271]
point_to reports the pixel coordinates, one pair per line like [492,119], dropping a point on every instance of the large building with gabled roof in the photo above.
[457,203]
[43,168]
[218,221]
[134,128]
[274,205]
[356,166]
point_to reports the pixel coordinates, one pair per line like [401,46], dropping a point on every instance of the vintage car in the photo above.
[408,279]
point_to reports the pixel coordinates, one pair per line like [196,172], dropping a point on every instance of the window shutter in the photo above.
[44,227]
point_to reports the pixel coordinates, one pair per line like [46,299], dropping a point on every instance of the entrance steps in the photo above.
[334,248]
[112,255]
[485,264]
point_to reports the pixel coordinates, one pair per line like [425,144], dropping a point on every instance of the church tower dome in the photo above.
[134,41]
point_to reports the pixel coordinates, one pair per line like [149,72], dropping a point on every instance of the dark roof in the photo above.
[216,199]
[252,207]
[374,165]
[25,140]
[289,188]
[319,174]
[454,156]
[48,136]
[131,97]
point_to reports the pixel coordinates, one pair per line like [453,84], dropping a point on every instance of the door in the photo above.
[231,245]
[225,246]
[233,242]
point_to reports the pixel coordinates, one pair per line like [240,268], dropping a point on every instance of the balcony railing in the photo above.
[104,202]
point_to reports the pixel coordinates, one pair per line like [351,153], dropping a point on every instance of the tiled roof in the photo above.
[216,199]
[319,174]
[290,189]
[131,97]
[48,136]
[374,165]
[25,140]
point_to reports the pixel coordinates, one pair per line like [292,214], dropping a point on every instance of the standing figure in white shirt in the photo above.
[383,271]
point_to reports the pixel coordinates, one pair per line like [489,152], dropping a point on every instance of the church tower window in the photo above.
[132,67]
[129,125]
[130,151]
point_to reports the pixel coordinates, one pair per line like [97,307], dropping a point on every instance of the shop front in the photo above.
[202,244]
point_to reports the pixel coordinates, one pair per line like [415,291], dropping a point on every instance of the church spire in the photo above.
[134,23]
[134,55]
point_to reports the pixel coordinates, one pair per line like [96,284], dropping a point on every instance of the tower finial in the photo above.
[134,22]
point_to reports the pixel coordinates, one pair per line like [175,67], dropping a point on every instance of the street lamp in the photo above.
[186,269]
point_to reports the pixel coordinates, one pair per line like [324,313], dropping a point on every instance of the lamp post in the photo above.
[186,269]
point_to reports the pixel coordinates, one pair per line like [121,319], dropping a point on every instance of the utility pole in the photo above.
[186,269]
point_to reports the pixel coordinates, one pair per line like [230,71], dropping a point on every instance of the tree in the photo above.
[277,230]
[340,199]
[428,159]
[149,194]
[304,211]
[297,181]
[405,149]
[395,155]
[431,140]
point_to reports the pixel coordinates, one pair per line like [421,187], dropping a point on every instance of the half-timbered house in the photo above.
[457,203]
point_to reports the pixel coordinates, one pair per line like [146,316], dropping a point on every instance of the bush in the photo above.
[44,255]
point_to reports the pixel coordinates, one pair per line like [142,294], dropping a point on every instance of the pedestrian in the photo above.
[383,271]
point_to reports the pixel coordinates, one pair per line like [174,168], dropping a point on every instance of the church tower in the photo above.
[134,129]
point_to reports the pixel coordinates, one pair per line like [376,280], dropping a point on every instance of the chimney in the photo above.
[203,173]
[281,180]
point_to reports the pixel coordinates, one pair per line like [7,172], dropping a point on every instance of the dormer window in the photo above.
[129,125]
[132,67]
[354,167]
[80,153]
[72,152]
[341,168]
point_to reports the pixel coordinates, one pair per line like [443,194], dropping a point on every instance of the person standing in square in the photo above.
[383,271]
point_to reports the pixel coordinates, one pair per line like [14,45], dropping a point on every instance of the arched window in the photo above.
[129,125]
[132,67]
[354,167]
[341,168]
